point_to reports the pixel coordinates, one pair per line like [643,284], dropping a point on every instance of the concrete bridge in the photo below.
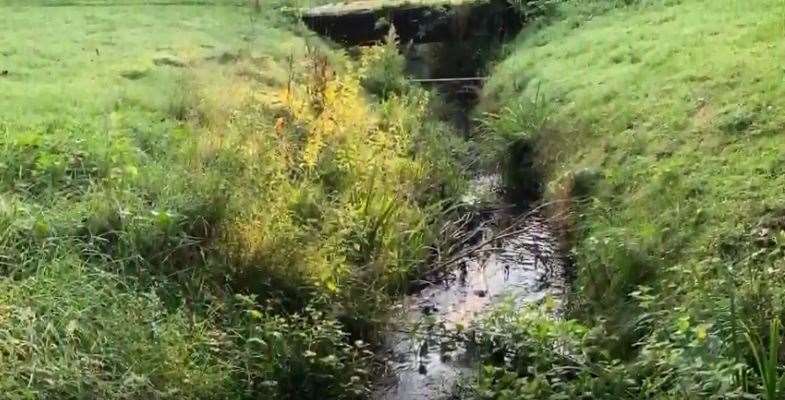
[368,21]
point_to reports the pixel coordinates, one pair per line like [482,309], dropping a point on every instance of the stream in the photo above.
[513,256]
[424,361]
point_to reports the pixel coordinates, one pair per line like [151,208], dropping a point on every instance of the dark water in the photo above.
[425,361]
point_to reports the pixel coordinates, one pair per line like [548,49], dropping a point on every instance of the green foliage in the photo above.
[508,139]
[225,224]
[530,354]
[767,358]
[523,120]
[382,69]
[305,354]
[74,331]
[677,245]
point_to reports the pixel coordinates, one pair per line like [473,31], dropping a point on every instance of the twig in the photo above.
[510,231]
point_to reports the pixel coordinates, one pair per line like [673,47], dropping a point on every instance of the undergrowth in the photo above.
[215,210]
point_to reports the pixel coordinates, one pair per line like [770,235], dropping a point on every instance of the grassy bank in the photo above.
[661,123]
[198,202]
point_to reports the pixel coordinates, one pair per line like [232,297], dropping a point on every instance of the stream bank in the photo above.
[503,252]
[509,252]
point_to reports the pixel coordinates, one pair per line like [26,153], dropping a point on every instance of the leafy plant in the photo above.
[382,68]
[767,356]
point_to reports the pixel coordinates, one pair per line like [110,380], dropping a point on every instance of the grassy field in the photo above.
[666,119]
[89,60]
[198,201]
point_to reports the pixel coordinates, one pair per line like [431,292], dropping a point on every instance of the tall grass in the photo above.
[229,225]
[767,357]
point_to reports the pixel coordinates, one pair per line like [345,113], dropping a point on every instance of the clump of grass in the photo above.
[509,138]
[72,330]
[767,360]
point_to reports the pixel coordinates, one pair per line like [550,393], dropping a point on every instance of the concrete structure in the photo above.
[369,21]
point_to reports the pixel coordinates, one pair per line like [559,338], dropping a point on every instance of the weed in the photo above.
[767,360]
[382,69]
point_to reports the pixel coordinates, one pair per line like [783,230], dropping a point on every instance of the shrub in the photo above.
[304,356]
[382,68]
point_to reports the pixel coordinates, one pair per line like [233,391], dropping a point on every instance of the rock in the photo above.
[169,60]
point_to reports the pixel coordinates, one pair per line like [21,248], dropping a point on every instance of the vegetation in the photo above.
[658,124]
[197,201]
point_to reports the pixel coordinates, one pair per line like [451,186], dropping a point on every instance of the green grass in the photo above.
[678,106]
[199,201]
[90,61]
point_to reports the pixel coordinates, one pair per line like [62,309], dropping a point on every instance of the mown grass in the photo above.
[675,109]
[198,201]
